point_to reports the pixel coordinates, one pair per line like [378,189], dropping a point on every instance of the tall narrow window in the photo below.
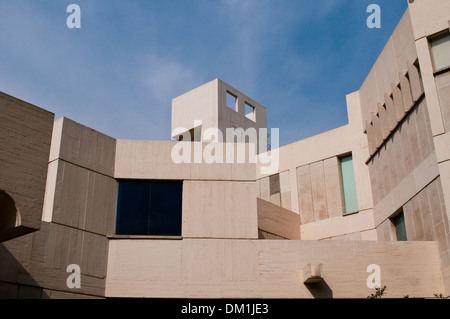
[274,184]
[231,101]
[149,208]
[400,229]
[348,184]
[275,189]
[440,51]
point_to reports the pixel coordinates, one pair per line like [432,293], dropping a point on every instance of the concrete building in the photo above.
[139,224]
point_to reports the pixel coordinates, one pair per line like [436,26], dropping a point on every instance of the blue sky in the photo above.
[120,71]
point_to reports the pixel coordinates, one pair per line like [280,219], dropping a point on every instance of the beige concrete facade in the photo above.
[25,134]
[245,233]
[267,268]
[206,108]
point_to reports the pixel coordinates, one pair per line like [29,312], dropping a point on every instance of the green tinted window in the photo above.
[400,229]
[348,184]
[440,52]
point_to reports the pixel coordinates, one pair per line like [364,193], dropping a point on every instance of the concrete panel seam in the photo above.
[81,229]
[415,194]
[83,167]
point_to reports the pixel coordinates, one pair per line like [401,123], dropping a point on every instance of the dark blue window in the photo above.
[149,208]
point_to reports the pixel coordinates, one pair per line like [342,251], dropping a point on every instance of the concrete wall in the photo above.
[200,104]
[443,88]
[320,190]
[309,181]
[275,222]
[405,127]
[79,213]
[219,199]
[391,65]
[81,159]
[429,17]
[154,160]
[442,146]
[34,265]
[404,156]
[426,219]
[276,189]
[395,120]
[207,106]
[398,137]
[196,268]
[229,118]
[219,209]
[25,134]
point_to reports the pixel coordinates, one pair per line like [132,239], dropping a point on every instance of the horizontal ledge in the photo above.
[440,71]
[144,237]
[350,213]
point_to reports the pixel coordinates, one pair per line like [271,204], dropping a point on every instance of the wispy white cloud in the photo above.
[166,78]
[265,27]
[326,7]
[119,72]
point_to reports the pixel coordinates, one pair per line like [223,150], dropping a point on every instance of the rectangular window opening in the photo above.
[400,229]
[274,184]
[250,112]
[440,51]
[348,184]
[232,101]
[151,208]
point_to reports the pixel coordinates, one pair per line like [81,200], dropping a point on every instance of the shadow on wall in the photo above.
[15,280]
[9,216]
[36,265]
[320,290]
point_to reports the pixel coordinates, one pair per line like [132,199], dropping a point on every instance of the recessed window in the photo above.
[149,208]
[400,229]
[232,101]
[274,184]
[440,51]
[250,112]
[348,184]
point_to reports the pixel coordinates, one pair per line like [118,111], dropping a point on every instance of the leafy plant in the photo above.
[379,292]
[441,296]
